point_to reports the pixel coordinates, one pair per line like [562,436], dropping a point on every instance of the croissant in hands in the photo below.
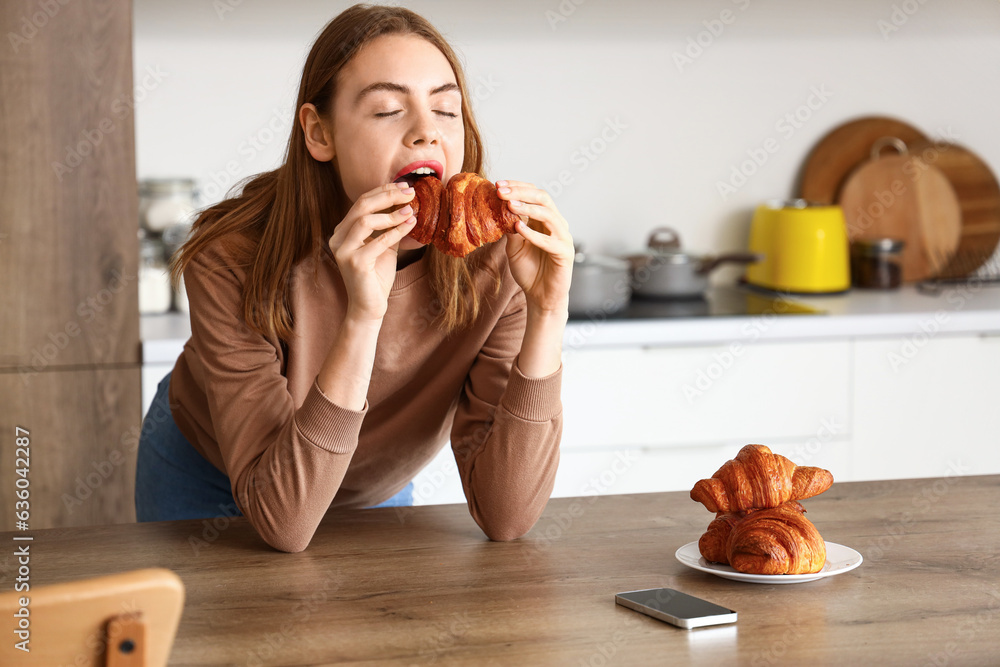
[778,540]
[461,217]
[759,479]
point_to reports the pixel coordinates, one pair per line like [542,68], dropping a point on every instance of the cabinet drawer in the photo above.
[738,394]
[927,407]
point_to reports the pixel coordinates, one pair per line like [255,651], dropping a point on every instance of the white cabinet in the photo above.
[911,406]
[649,419]
[438,483]
[684,396]
[151,376]
[927,406]
[677,413]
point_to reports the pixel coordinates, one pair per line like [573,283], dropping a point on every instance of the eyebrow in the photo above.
[399,88]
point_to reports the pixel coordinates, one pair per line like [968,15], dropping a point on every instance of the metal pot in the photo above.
[600,285]
[666,271]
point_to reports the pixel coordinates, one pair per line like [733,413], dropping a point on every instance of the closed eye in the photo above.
[386,114]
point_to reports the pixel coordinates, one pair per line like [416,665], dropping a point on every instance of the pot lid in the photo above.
[665,245]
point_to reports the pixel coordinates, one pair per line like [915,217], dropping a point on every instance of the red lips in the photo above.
[432,164]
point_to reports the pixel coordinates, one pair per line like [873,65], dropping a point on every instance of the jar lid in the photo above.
[793,203]
[879,246]
[166,186]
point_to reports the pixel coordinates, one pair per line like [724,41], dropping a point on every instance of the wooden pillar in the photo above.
[69,317]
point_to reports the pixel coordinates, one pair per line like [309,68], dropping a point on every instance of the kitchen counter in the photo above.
[422,584]
[858,314]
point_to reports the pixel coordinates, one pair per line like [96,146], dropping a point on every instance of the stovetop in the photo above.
[718,302]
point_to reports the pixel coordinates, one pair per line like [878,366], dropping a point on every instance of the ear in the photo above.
[319,138]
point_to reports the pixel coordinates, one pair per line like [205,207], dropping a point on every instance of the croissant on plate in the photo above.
[759,479]
[461,217]
[714,544]
[779,540]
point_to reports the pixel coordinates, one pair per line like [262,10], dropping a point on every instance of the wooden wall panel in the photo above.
[84,433]
[68,201]
[69,312]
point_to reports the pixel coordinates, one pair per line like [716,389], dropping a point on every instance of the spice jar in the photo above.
[165,201]
[877,263]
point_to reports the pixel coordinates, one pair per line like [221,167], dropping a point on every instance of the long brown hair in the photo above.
[290,213]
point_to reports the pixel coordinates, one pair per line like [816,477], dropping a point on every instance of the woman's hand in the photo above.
[541,254]
[365,244]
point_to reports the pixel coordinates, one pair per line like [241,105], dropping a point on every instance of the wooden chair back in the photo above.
[121,620]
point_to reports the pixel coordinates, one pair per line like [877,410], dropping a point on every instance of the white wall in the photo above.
[228,72]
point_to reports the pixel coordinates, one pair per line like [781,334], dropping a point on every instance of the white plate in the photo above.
[839,559]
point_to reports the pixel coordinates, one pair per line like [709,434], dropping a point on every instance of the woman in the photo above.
[331,355]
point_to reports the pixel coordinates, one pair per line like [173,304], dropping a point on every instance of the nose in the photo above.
[424,129]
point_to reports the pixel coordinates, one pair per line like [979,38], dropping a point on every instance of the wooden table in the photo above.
[423,585]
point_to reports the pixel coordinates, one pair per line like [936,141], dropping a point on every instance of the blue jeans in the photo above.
[173,481]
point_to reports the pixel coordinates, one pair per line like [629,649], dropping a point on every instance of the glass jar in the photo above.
[877,263]
[154,277]
[166,201]
[174,237]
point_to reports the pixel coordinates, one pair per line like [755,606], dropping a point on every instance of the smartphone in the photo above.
[676,608]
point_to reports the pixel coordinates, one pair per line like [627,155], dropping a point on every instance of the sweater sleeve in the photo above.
[506,433]
[285,464]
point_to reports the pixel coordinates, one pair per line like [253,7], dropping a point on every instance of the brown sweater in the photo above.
[251,405]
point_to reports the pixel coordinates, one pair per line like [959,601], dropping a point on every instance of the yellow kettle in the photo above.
[805,248]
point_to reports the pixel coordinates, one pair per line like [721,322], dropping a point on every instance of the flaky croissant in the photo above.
[759,479]
[461,217]
[714,544]
[780,540]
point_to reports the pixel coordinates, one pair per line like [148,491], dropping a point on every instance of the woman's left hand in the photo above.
[541,254]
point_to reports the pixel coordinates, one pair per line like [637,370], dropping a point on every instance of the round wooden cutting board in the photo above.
[900,196]
[979,200]
[844,148]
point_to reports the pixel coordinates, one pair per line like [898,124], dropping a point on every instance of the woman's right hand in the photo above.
[365,244]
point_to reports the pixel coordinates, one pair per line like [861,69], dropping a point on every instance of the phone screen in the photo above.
[676,608]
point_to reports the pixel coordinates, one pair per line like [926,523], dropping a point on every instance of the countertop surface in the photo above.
[422,584]
[959,309]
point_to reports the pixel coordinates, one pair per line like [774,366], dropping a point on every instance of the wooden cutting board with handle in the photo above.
[845,147]
[979,200]
[901,196]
